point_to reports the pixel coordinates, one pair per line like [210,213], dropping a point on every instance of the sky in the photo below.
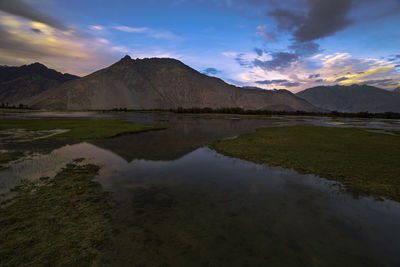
[271,44]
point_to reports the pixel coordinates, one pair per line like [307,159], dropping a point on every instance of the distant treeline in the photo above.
[240,111]
[386,115]
[8,106]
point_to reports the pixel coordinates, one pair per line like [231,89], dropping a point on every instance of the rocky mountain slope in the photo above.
[354,98]
[20,84]
[160,83]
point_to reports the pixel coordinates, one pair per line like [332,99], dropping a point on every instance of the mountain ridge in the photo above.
[354,98]
[160,83]
[18,85]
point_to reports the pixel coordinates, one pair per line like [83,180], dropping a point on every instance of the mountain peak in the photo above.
[125,60]
[37,66]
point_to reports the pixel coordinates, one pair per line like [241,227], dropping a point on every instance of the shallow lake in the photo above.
[179,203]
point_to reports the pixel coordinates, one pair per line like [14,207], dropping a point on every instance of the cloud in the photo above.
[287,20]
[313,76]
[36,30]
[211,71]
[383,82]
[305,49]
[131,29]
[158,34]
[24,41]
[230,54]
[267,82]
[282,82]
[346,70]
[280,60]
[24,10]
[259,51]
[240,59]
[341,79]
[341,68]
[291,84]
[312,19]
[96,27]
[324,19]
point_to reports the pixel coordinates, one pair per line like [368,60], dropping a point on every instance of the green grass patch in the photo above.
[366,163]
[79,128]
[61,222]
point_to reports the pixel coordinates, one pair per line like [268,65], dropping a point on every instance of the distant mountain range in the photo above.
[156,83]
[20,84]
[164,83]
[354,98]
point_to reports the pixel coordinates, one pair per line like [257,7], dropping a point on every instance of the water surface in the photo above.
[179,203]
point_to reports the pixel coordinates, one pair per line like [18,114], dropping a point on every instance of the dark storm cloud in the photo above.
[341,79]
[397,66]
[22,9]
[313,76]
[307,20]
[212,71]
[322,18]
[319,80]
[287,20]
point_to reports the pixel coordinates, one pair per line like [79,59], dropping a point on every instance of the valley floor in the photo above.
[180,208]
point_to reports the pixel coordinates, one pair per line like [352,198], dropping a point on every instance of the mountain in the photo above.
[397,90]
[20,84]
[160,83]
[354,98]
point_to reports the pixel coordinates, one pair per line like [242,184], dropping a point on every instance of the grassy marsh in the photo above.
[57,222]
[365,162]
[79,128]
